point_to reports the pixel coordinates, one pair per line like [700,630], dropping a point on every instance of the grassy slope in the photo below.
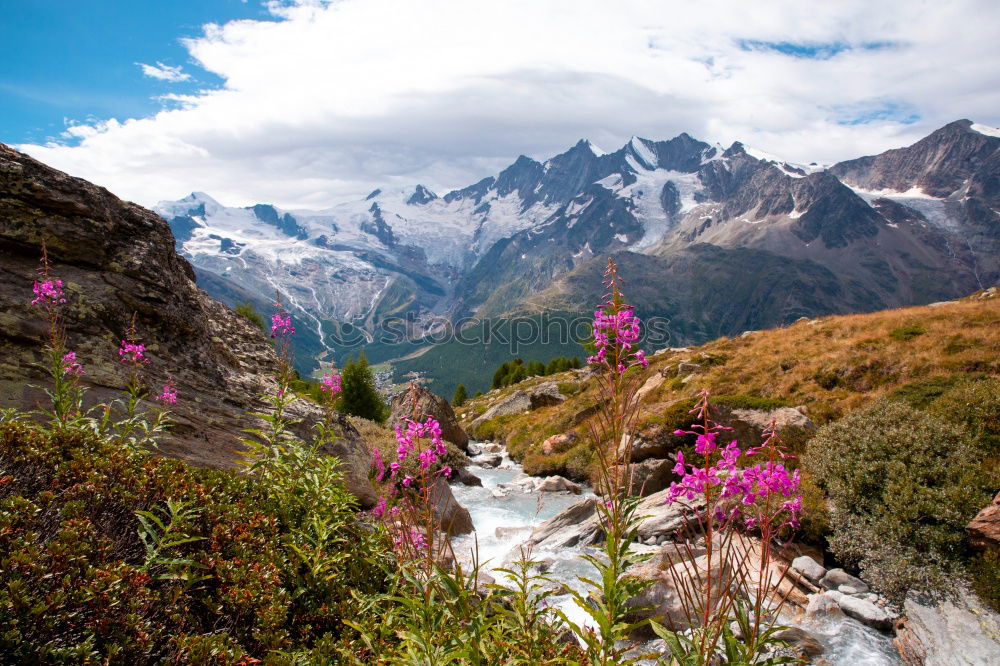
[828,367]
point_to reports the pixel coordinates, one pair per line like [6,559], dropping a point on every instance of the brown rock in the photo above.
[559,443]
[984,529]
[117,260]
[651,476]
[418,399]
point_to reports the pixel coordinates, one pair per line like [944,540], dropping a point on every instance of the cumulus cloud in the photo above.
[326,101]
[163,72]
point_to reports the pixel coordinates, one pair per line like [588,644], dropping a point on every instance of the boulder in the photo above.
[802,643]
[451,516]
[956,632]
[418,399]
[557,484]
[489,460]
[559,443]
[835,578]
[650,385]
[748,424]
[467,478]
[984,529]
[864,611]
[666,520]
[119,264]
[653,441]
[808,567]
[575,526]
[651,476]
[669,575]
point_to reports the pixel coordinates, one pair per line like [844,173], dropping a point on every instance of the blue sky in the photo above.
[308,103]
[75,59]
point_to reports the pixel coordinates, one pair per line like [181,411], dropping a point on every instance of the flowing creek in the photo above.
[504,521]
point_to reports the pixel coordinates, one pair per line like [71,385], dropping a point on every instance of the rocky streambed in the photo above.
[555,518]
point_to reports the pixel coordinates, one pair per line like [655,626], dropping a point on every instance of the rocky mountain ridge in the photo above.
[909,226]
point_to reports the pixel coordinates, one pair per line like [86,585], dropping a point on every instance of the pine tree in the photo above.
[359,397]
[460,396]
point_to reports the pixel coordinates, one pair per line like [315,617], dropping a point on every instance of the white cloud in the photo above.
[327,101]
[163,72]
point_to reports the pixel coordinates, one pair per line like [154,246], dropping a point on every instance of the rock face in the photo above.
[749,424]
[420,400]
[984,529]
[951,633]
[669,576]
[651,476]
[117,260]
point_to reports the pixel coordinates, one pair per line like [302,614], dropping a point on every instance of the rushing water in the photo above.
[504,521]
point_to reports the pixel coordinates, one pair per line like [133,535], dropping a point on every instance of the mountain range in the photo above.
[718,240]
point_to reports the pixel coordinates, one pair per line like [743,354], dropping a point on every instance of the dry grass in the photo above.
[828,367]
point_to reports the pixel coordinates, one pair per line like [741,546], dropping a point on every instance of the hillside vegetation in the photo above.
[826,367]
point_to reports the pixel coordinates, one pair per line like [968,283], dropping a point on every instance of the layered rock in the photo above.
[118,264]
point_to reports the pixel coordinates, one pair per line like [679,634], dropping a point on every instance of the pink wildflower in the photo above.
[168,396]
[48,294]
[130,352]
[70,365]
[330,383]
[281,326]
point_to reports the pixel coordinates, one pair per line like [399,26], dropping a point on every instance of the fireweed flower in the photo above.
[616,333]
[48,294]
[281,326]
[168,396]
[133,353]
[70,365]
[330,383]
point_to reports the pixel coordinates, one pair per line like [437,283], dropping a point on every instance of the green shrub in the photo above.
[923,392]
[976,405]
[109,555]
[908,332]
[827,379]
[984,570]
[249,312]
[903,485]
[569,389]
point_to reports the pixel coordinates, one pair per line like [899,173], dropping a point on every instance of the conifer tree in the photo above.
[360,397]
[460,396]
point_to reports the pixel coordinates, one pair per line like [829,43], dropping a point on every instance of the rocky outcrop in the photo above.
[651,476]
[984,529]
[960,632]
[543,395]
[748,424]
[419,400]
[117,261]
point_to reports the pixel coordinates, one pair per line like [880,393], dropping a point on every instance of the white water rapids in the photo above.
[504,522]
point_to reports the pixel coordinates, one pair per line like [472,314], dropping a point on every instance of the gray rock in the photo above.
[847,589]
[491,447]
[959,632]
[822,605]
[488,460]
[864,611]
[555,484]
[808,567]
[573,526]
[834,578]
